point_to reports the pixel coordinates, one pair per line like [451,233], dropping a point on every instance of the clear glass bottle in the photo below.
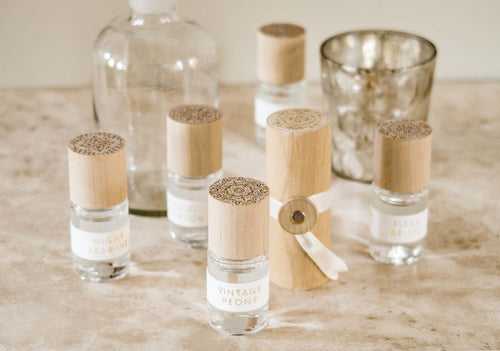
[403,218]
[99,227]
[144,64]
[239,277]
[238,266]
[194,143]
[280,70]
[399,213]
[271,98]
[108,228]
[187,208]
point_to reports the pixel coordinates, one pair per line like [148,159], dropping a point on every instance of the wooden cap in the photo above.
[298,159]
[402,155]
[97,170]
[298,165]
[281,53]
[238,218]
[194,140]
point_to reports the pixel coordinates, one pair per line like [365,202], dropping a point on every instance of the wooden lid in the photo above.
[97,170]
[238,218]
[281,53]
[402,155]
[298,156]
[194,140]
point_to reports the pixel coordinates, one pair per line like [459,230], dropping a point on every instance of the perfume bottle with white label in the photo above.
[194,147]
[400,189]
[238,269]
[100,238]
[280,69]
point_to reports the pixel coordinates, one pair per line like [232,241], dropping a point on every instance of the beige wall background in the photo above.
[47,43]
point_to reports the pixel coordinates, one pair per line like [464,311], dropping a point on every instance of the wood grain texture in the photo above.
[238,218]
[281,53]
[98,172]
[297,165]
[194,143]
[402,155]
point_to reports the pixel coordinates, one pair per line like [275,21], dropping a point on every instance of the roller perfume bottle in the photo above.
[238,269]
[399,204]
[194,148]
[280,69]
[100,238]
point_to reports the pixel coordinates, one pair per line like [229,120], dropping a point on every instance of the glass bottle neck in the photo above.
[141,19]
[284,89]
[399,199]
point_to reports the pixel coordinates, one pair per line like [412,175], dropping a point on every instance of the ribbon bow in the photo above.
[329,263]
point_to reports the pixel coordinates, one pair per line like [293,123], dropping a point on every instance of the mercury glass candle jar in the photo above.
[367,77]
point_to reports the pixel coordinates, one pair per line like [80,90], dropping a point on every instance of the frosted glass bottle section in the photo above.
[100,242]
[187,205]
[145,64]
[398,226]
[238,294]
[271,98]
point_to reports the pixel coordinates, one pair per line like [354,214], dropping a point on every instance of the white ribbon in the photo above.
[329,263]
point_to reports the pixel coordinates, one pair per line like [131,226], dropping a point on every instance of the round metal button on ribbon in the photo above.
[298,216]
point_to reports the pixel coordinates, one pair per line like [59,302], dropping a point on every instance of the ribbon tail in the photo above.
[329,263]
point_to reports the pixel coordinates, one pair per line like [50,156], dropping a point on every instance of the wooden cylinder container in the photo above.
[194,140]
[402,155]
[97,170]
[297,166]
[238,218]
[281,53]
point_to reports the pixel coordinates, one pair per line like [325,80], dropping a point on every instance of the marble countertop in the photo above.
[449,300]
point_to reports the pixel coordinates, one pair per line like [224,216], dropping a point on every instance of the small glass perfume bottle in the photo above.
[194,148]
[100,238]
[280,69]
[399,205]
[238,269]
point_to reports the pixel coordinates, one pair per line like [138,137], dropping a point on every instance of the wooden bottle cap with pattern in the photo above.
[194,140]
[97,170]
[402,155]
[238,218]
[298,161]
[281,53]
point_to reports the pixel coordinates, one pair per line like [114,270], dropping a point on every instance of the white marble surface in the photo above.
[448,300]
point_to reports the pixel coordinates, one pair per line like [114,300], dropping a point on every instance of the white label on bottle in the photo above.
[100,246]
[241,297]
[398,229]
[187,213]
[264,108]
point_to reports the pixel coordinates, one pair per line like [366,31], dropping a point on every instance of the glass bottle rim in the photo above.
[379,32]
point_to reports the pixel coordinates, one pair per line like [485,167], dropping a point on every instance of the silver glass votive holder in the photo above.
[369,76]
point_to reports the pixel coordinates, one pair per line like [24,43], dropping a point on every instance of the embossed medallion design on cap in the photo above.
[194,114]
[99,143]
[239,190]
[282,30]
[299,119]
[404,129]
